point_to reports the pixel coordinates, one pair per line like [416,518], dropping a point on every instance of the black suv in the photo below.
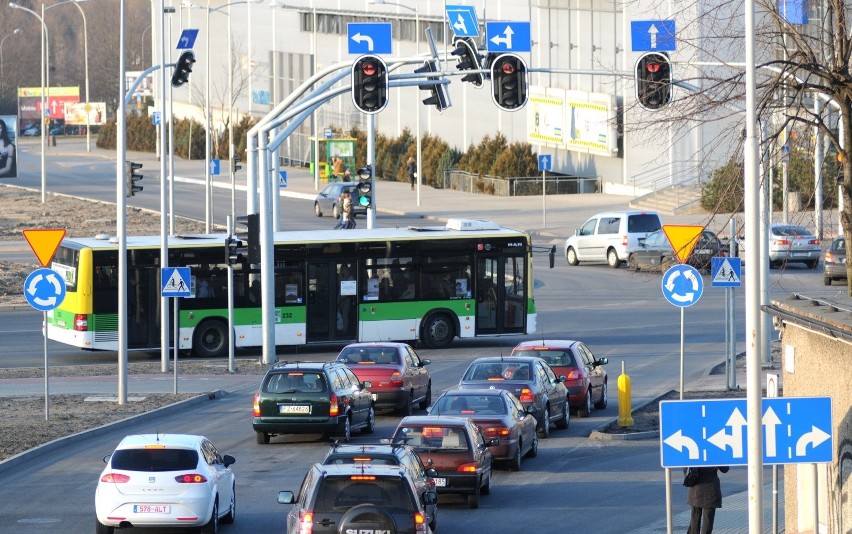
[390,454]
[307,398]
[358,498]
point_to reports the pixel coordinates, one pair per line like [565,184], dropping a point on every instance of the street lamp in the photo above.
[16,31]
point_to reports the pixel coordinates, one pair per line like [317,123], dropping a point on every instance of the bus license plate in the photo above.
[440,482]
[150,509]
[294,408]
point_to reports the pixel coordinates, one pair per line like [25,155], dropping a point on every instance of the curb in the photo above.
[51,446]
[632,436]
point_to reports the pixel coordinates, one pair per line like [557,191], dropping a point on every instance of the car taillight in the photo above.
[829,257]
[115,478]
[624,240]
[574,374]
[496,432]
[255,410]
[419,522]
[191,478]
[396,379]
[81,322]
[783,242]
[306,522]
[813,242]
[333,408]
[526,395]
[467,468]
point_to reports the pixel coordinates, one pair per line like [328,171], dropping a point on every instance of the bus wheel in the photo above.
[438,332]
[210,339]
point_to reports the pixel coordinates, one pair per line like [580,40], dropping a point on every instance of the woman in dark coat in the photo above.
[704,497]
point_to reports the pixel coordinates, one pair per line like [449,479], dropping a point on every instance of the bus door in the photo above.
[143,306]
[500,294]
[332,312]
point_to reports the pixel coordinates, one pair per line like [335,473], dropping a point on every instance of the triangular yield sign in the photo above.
[44,243]
[683,238]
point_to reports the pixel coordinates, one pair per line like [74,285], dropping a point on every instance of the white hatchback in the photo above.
[611,237]
[165,480]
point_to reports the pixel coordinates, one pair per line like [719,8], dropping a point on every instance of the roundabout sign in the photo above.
[682,285]
[44,289]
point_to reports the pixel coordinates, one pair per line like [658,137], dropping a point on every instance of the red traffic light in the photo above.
[368,68]
[653,67]
[507,68]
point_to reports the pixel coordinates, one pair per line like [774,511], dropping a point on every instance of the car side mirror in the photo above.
[228,460]
[432,472]
[603,361]
[531,409]
[577,231]
[425,362]
[430,497]
[107,457]
[561,379]
[492,443]
[366,384]
[286,497]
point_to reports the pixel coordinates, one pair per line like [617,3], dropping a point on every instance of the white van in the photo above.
[610,236]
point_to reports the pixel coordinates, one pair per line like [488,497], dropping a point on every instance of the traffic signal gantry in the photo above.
[131,177]
[509,82]
[183,68]
[365,187]
[465,50]
[438,92]
[370,84]
[653,80]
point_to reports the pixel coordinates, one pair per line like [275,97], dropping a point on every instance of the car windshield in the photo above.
[561,358]
[498,371]
[840,245]
[338,494]
[293,381]
[790,231]
[154,460]
[369,355]
[469,405]
[433,438]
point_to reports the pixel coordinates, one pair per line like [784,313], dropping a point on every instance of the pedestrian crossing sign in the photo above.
[726,272]
[176,282]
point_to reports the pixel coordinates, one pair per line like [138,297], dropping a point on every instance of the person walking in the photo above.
[412,171]
[347,221]
[704,497]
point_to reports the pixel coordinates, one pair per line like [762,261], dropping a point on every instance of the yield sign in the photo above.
[44,243]
[683,238]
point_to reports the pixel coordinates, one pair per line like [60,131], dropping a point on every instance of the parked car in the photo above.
[30,130]
[330,200]
[585,376]
[500,416]
[358,498]
[307,398]
[530,379]
[610,237]
[455,448]
[165,480]
[399,378]
[834,264]
[396,454]
[656,252]
[788,243]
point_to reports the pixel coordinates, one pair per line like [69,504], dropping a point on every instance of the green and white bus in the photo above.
[429,284]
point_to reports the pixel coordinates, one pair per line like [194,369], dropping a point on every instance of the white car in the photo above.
[165,480]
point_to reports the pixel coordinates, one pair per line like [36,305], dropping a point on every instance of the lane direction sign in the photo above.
[652,35]
[713,431]
[44,289]
[187,39]
[369,37]
[508,36]
[176,282]
[726,272]
[682,238]
[215,166]
[463,21]
[682,285]
[544,162]
[44,243]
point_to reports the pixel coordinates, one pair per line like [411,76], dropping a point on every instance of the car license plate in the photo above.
[150,509]
[800,254]
[703,251]
[375,397]
[294,408]
[440,482]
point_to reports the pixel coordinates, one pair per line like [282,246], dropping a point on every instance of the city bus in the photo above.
[417,284]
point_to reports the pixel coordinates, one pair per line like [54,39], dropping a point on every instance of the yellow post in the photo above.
[624,410]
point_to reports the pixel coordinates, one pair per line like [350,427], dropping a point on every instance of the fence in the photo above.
[520,185]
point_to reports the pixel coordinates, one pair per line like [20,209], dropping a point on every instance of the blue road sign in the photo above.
[652,35]
[682,285]
[215,167]
[176,282]
[282,178]
[544,162]
[463,21]
[155,118]
[187,39]
[714,431]
[369,37]
[44,289]
[726,272]
[508,36]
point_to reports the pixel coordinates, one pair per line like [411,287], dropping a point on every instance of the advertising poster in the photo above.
[83,113]
[8,140]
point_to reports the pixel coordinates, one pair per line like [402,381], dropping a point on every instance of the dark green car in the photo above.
[308,398]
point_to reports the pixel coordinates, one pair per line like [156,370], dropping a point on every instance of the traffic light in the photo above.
[250,236]
[509,82]
[439,97]
[370,84]
[235,251]
[235,164]
[653,80]
[365,187]
[131,177]
[468,59]
[182,69]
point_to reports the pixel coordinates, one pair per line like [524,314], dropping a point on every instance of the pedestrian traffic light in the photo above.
[509,82]
[250,235]
[182,68]
[235,163]
[653,80]
[370,84]
[235,251]
[468,59]
[439,96]
[131,177]
[365,187]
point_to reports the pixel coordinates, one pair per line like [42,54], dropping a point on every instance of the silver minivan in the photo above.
[610,236]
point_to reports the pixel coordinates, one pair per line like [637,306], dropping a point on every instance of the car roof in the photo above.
[136,441]
[393,344]
[620,213]
[547,343]
[361,469]
[472,392]
[509,359]
[305,366]
[436,420]
[393,449]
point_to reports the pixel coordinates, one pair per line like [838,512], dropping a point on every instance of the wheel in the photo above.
[210,339]
[407,407]
[317,209]
[631,263]
[601,404]
[438,332]
[371,421]
[515,462]
[367,518]
[345,430]
[335,211]
[232,508]
[564,419]
[586,408]
[427,400]
[486,489]
[612,258]
[433,525]
[262,438]
[533,452]
[826,281]
[103,529]
[812,264]
[473,498]
[571,256]
[212,526]
[544,429]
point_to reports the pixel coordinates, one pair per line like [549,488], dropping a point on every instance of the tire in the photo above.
[486,489]
[473,498]
[439,331]
[612,258]
[228,518]
[602,403]
[427,400]
[826,281]
[515,462]
[812,264]
[345,432]
[586,409]
[371,421]
[544,431]
[571,256]
[212,526]
[103,529]
[335,211]
[262,438]
[533,452]
[565,419]
[631,263]
[433,525]
[210,339]
[367,518]
[408,407]
[317,209]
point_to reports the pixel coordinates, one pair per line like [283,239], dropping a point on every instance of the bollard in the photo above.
[625,417]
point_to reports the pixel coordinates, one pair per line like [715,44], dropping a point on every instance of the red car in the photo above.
[586,377]
[399,378]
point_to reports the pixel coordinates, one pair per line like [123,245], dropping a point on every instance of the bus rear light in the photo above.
[255,410]
[526,395]
[81,322]
[333,408]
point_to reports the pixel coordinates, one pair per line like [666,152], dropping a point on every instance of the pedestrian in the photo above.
[704,497]
[346,212]
[337,168]
[347,175]
[412,171]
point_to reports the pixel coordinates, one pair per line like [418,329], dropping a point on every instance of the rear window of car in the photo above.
[294,381]
[360,459]
[498,371]
[433,438]
[338,494]
[840,245]
[643,223]
[154,460]
[553,357]
[468,405]
[790,231]
[369,355]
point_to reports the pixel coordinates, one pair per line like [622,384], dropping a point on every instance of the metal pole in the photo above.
[86,68]
[371,155]
[164,238]
[45,87]
[543,200]
[229,222]
[121,213]
[46,370]
[207,142]
[16,31]
[231,118]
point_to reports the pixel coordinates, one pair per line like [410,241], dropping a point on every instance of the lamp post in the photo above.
[16,31]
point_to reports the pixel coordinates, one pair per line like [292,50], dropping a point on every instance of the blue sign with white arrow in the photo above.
[544,162]
[369,38]
[726,272]
[508,36]
[44,289]
[463,21]
[215,166]
[176,282]
[187,39]
[682,285]
[652,35]
[714,431]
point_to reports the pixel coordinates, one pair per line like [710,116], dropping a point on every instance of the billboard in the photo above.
[572,120]
[29,102]
[78,113]
[8,140]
